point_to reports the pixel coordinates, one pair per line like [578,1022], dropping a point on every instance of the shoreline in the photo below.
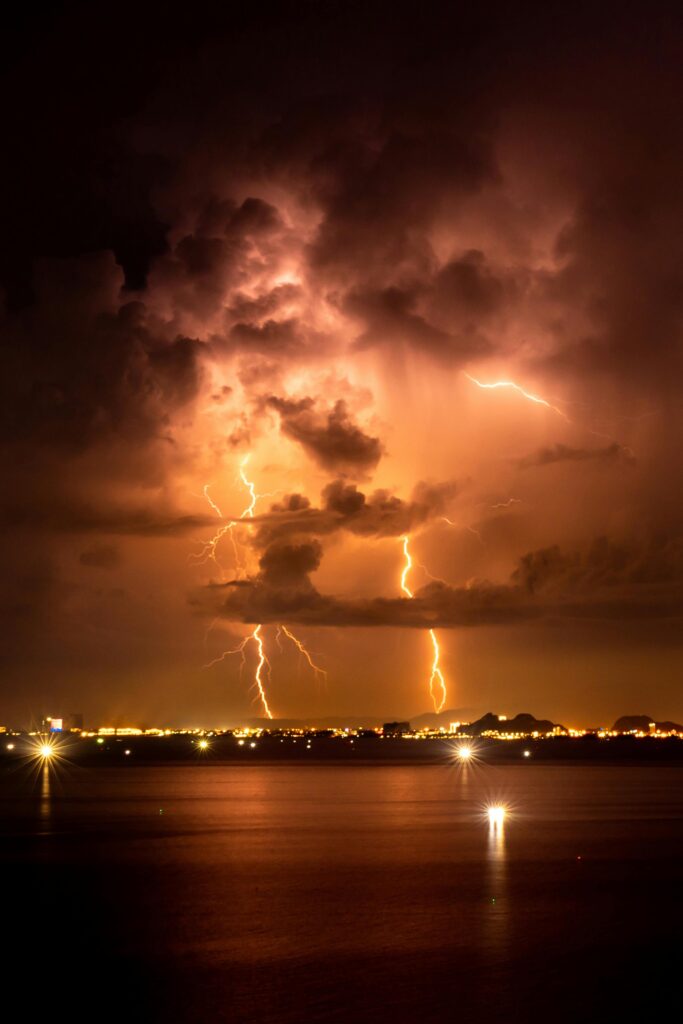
[230,749]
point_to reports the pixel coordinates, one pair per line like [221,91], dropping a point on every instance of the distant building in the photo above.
[395,728]
[64,723]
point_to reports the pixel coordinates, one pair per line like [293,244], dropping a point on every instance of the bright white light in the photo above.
[496,815]
[45,750]
[203,744]
[252,745]
[527,753]
[126,752]
[464,753]
[10,746]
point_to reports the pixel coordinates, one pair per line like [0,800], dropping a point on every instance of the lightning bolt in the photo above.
[236,650]
[436,678]
[256,635]
[251,487]
[407,566]
[210,547]
[262,662]
[539,401]
[520,390]
[211,502]
[506,504]
[470,529]
[209,551]
[430,575]
[302,650]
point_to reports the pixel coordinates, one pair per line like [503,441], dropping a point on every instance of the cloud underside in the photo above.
[606,581]
[438,607]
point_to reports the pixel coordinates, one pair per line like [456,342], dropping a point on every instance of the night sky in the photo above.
[284,246]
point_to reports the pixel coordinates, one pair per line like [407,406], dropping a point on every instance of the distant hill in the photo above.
[523,723]
[641,723]
[441,719]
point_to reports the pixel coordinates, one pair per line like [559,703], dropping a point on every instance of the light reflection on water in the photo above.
[45,794]
[360,892]
[497,916]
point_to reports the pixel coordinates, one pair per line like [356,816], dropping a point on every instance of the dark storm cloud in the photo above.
[613,453]
[92,386]
[446,313]
[66,513]
[486,605]
[273,337]
[383,187]
[389,317]
[384,145]
[595,127]
[228,243]
[82,368]
[344,507]
[383,514]
[330,437]
[289,565]
[245,307]
[609,581]
[468,289]
[623,253]
[605,564]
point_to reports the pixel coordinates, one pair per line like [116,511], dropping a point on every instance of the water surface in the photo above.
[340,893]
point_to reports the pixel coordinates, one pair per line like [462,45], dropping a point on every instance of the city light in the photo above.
[203,744]
[45,752]
[496,816]
[464,753]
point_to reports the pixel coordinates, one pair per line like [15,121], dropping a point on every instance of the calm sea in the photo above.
[296,893]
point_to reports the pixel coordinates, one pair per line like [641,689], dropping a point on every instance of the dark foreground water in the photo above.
[343,893]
